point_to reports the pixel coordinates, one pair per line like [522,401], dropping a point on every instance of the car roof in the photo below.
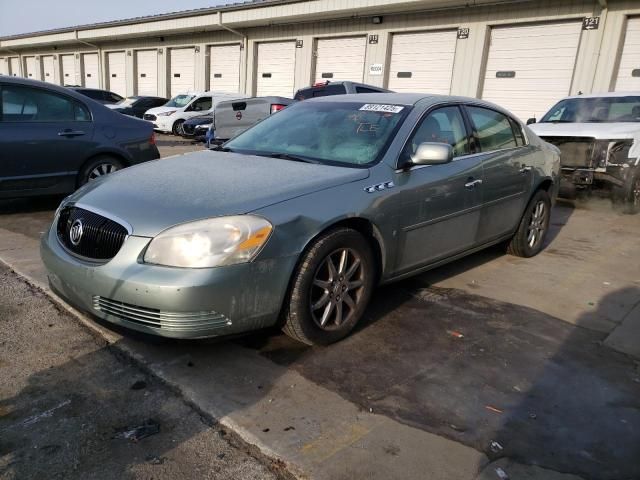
[47,85]
[605,95]
[401,99]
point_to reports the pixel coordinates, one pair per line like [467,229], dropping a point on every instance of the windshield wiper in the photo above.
[288,156]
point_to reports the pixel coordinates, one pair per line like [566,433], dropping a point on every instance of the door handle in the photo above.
[70,133]
[525,169]
[472,183]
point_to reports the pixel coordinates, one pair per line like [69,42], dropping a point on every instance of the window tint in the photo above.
[323,91]
[95,94]
[517,131]
[112,97]
[444,125]
[201,104]
[366,90]
[493,128]
[24,104]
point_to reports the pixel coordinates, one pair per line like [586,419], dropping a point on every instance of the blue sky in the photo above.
[26,16]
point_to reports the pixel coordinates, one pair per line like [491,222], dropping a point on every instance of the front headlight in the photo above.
[210,243]
[166,114]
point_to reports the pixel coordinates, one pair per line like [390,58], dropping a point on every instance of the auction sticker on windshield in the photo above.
[377,107]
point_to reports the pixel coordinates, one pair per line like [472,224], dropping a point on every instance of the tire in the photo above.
[534,225]
[176,129]
[629,195]
[97,167]
[344,291]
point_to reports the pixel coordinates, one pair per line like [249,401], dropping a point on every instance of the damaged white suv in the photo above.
[599,140]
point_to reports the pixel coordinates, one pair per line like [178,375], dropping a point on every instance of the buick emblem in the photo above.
[75,233]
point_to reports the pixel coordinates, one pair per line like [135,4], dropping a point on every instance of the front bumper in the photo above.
[163,124]
[169,302]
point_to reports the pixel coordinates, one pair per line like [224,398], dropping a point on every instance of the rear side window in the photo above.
[493,128]
[517,131]
[112,97]
[25,104]
[366,90]
[95,94]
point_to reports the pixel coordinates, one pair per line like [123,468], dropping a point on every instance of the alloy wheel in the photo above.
[337,289]
[101,170]
[537,224]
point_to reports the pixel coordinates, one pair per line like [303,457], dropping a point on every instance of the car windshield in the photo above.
[127,102]
[598,110]
[179,101]
[339,133]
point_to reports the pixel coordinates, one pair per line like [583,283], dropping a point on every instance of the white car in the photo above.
[599,140]
[171,116]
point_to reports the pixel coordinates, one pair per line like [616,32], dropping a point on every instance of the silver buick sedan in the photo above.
[295,221]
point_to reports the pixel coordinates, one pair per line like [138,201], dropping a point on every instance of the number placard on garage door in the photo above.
[628,76]
[340,59]
[276,69]
[31,67]
[48,69]
[422,62]
[91,70]
[14,66]
[116,73]
[147,72]
[69,72]
[530,68]
[181,72]
[224,68]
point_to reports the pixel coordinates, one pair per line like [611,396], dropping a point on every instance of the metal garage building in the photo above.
[523,54]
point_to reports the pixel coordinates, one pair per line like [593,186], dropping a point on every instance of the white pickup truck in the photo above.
[235,116]
[599,140]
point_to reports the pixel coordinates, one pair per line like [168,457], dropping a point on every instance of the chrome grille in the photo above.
[165,320]
[100,238]
[149,116]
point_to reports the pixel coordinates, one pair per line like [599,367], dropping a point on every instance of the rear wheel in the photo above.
[533,228]
[177,127]
[99,167]
[330,289]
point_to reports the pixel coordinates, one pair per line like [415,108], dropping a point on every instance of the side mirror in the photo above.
[431,153]
[531,120]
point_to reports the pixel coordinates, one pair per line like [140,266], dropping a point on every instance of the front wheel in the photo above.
[177,127]
[533,228]
[330,288]
[629,194]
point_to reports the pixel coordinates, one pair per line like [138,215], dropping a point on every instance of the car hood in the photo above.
[604,131]
[157,110]
[156,195]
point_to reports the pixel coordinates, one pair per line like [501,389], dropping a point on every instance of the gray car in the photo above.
[295,221]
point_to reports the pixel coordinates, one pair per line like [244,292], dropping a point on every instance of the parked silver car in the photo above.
[297,219]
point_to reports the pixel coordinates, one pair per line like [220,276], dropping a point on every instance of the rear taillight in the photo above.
[152,139]
[276,107]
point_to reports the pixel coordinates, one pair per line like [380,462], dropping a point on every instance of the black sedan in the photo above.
[137,105]
[196,126]
[53,140]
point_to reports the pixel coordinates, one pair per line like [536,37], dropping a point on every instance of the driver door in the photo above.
[439,205]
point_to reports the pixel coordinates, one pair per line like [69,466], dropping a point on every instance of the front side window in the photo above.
[493,129]
[338,133]
[444,125]
[595,110]
[201,104]
[25,104]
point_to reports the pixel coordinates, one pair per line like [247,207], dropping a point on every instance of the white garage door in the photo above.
[530,68]
[181,75]
[340,59]
[69,76]
[14,66]
[147,72]
[224,68]
[116,73]
[4,66]
[422,62]
[276,69]
[48,69]
[91,70]
[31,67]
[628,78]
